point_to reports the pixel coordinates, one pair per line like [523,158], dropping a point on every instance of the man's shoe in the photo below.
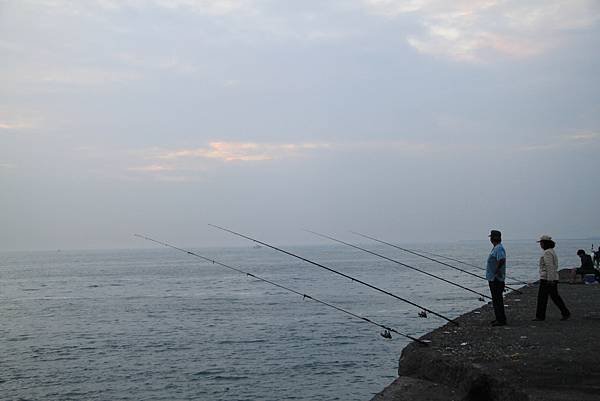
[496,324]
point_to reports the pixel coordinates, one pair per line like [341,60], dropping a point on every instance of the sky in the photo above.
[411,121]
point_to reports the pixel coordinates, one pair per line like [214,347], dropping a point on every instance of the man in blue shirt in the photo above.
[495,274]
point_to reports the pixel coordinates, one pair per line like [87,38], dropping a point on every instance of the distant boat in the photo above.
[257,247]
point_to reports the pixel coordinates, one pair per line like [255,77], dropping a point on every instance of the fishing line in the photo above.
[428,258]
[402,264]
[467,264]
[385,334]
[339,273]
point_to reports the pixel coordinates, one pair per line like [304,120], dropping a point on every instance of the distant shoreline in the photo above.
[596,241]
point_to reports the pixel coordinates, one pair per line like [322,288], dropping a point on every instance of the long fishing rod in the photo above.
[421,314]
[402,264]
[466,264]
[385,334]
[428,258]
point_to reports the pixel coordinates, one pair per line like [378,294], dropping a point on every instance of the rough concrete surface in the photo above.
[552,360]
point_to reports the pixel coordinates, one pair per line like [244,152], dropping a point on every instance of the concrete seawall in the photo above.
[552,360]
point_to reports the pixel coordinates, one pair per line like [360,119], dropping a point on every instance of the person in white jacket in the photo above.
[549,281]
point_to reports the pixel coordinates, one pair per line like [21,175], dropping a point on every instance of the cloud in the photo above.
[394,146]
[262,152]
[209,7]
[244,151]
[535,148]
[582,137]
[153,168]
[14,125]
[202,163]
[175,178]
[199,161]
[214,21]
[192,164]
[9,126]
[473,31]
[172,64]
[57,75]
[13,119]
[559,142]
[85,77]
[206,7]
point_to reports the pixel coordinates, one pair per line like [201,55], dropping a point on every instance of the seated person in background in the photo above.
[597,258]
[587,266]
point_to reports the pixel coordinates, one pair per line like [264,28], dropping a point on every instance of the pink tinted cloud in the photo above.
[243,151]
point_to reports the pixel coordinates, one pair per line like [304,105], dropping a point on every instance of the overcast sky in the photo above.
[416,120]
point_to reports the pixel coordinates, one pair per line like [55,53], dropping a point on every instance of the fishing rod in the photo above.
[421,314]
[387,329]
[465,263]
[428,258]
[482,296]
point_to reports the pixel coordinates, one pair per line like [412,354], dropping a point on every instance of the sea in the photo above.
[160,324]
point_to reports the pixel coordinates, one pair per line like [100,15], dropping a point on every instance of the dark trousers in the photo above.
[497,288]
[549,288]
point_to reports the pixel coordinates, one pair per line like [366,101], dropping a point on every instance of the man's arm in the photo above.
[499,264]
[500,259]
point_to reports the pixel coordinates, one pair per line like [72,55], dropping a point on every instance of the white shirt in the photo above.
[549,265]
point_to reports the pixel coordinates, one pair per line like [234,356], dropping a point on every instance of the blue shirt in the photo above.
[492,272]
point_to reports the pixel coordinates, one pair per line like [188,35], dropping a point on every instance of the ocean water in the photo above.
[157,324]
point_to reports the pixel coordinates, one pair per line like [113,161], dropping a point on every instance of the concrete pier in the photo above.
[552,360]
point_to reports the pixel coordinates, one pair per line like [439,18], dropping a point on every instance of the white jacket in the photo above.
[549,265]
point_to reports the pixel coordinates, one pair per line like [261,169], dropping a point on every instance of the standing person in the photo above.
[549,281]
[495,274]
